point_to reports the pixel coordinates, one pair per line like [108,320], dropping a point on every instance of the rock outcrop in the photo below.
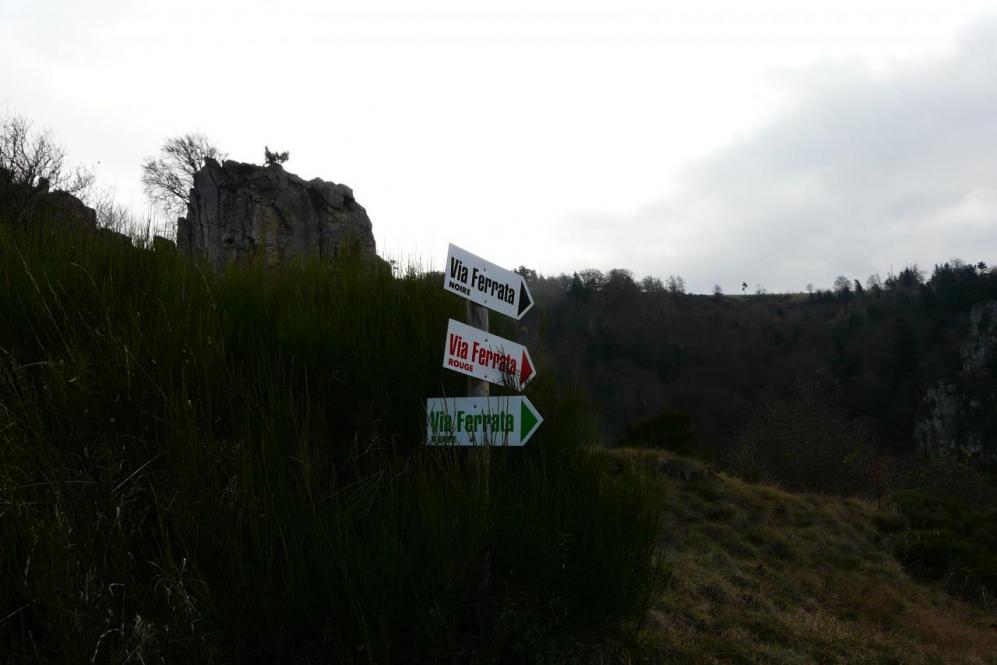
[960,415]
[242,211]
[24,203]
[979,353]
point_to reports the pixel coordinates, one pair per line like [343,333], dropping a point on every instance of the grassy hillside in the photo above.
[223,468]
[758,575]
[201,467]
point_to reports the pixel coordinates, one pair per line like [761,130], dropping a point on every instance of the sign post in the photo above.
[481,420]
[470,349]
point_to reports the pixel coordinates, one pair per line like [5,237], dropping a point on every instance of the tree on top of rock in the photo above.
[168,179]
[274,158]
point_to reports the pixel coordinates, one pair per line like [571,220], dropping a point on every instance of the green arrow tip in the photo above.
[527,420]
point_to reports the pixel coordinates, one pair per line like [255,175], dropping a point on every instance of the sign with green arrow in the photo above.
[480,421]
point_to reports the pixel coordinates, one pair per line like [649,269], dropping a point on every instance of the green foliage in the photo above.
[669,429]
[945,539]
[807,442]
[274,158]
[721,359]
[957,286]
[228,467]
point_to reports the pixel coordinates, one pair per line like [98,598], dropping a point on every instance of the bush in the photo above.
[947,540]
[807,443]
[228,467]
[669,429]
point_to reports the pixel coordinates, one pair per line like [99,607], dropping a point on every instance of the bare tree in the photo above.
[32,158]
[592,279]
[167,179]
[874,282]
[110,214]
[31,163]
[842,284]
[675,284]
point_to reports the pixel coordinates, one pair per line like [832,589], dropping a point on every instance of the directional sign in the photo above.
[480,421]
[486,356]
[485,283]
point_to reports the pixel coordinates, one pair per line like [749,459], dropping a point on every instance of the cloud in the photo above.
[865,170]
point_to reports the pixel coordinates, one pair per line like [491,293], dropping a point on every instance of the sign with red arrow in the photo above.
[486,356]
[485,283]
[480,421]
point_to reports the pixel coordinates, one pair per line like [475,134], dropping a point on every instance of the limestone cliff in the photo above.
[959,417]
[239,211]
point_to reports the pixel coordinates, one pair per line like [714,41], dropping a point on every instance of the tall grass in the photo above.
[229,468]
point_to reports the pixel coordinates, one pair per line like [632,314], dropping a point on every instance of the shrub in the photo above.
[669,429]
[228,467]
[946,540]
[807,443]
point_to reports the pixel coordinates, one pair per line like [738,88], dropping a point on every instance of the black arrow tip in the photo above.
[524,297]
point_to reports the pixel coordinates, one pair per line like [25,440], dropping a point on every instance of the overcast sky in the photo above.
[775,143]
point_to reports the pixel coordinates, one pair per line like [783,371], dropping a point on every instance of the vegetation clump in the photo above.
[760,575]
[229,467]
[944,539]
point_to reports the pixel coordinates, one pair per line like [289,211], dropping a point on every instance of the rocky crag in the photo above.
[960,415]
[243,211]
[24,203]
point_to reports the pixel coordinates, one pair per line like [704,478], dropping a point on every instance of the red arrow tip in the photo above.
[526,371]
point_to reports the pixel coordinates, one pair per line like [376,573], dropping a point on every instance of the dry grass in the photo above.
[758,575]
